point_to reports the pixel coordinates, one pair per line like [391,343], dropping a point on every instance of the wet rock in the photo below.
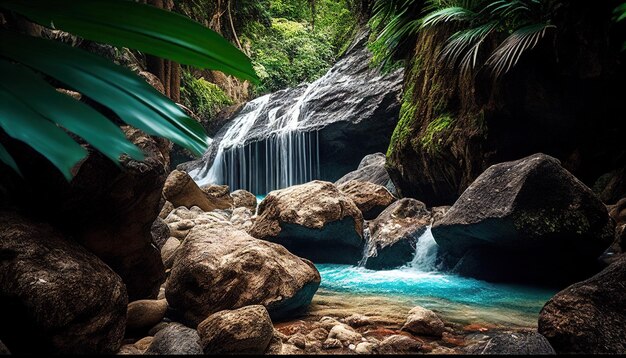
[144,314]
[246,330]
[160,232]
[531,207]
[56,293]
[175,339]
[370,198]
[422,321]
[588,316]
[399,344]
[313,220]
[371,169]
[181,190]
[519,343]
[394,234]
[218,267]
[245,199]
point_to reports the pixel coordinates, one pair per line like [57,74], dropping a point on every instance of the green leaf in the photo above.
[453,13]
[8,159]
[67,112]
[115,87]
[20,122]
[145,28]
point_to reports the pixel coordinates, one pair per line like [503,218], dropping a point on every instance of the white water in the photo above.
[425,253]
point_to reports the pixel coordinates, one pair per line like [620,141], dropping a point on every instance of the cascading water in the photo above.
[425,253]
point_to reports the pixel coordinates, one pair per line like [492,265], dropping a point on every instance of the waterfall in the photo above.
[425,253]
[369,249]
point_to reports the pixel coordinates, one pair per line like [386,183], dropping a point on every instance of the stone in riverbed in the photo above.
[588,317]
[422,321]
[245,199]
[399,344]
[144,314]
[175,339]
[55,293]
[246,330]
[518,343]
[345,334]
[218,267]
[394,234]
[515,211]
[313,220]
[370,198]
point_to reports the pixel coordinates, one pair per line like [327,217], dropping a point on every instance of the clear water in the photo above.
[459,299]
[259,198]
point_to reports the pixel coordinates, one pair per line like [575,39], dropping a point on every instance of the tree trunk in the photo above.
[167,71]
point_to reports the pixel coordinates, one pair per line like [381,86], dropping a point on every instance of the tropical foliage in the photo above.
[620,15]
[204,97]
[33,111]
[516,26]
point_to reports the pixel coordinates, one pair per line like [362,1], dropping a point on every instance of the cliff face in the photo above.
[560,100]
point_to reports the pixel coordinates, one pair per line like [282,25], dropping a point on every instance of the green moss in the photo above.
[432,137]
[204,98]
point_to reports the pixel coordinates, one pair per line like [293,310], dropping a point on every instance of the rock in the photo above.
[157,327]
[328,323]
[365,348]
[242,219]
[160,232]
[56,293]
[153,81]
[332,343]
[370,198]
[398,344]
[4,351]
[313,220]
[166,209]
[518,343]
[298,340]
[371,169]
[438,212]
[345,334]
[175,339]
[129,349]
[244,199]
[394,234]
[219,195]
[144,314]
[181,190]
[218,267]
[531,207]
[181,220]
[246,330]
[588,317]
[143,344]
[422,321]
[168,250]
[618,212]
[318,334]
[343,112]
[290,349]
[357,320]
[276,345]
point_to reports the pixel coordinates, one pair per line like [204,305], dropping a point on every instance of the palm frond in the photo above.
[466,45]
[447,14]
[620,12]
[513,47]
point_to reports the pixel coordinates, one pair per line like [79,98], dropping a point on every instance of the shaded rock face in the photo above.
[55,296]
[246,330]
[336,114]
[371,169]
[175,339]
[108,209]
[531,207]
[394,234]
[370,198]
[144,314]
[527,343]
[160,232]
[588,317]
[218,267]
[313,220]
[453,127]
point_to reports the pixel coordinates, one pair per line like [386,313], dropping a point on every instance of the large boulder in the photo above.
[247,330]
[244,198]
[181,220]
[588,317]
[55,296]
[370,198]
[394,234]
[371,169]
[181,190]
[526,220]
[313,220]
[218,267]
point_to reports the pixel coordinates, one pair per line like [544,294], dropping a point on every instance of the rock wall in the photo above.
[555,101]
